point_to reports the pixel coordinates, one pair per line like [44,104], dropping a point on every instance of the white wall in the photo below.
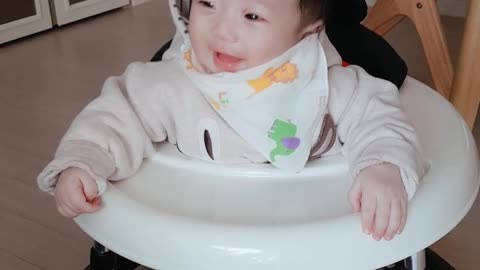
[456,8]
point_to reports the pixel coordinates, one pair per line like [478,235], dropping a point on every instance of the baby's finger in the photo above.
[354,196]
[97,202]
[369,205]
[79,203]
[67,212]
[64,205]
[382,217]
[403,220]
[395,220]
[87,207]
[90,207]
[89,188]
[61,211]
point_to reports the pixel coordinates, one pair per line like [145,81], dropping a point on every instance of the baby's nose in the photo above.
[225,31]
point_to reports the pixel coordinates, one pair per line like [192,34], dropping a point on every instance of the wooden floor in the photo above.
[47,78]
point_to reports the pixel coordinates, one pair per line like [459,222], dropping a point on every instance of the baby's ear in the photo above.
[312,28]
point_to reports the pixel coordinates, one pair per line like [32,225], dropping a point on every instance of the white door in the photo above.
[67,11]
[20,18]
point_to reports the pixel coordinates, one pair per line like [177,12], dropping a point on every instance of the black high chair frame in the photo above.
[103,259]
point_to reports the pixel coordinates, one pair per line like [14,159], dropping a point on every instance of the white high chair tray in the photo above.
[177,213]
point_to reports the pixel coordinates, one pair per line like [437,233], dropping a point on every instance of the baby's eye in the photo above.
[252,17]
[206,4]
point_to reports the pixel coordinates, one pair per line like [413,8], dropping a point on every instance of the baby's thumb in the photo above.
[90,188]
[354,196]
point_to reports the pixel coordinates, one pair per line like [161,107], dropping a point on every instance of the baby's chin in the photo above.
[213,69]
[208,69]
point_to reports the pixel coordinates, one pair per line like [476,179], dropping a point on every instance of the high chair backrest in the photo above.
[184,7]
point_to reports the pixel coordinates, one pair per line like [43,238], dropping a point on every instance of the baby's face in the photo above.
[232,35]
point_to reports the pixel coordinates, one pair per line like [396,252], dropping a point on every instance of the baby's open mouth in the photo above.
[226,62]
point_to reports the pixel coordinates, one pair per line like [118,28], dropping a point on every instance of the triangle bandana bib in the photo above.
[275,107]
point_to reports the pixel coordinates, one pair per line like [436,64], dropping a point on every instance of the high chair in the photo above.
[178,213]
[385,14]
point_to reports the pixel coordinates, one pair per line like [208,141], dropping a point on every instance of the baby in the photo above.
[246,81]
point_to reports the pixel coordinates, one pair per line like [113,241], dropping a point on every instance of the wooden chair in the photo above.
[466,86]
[385,14]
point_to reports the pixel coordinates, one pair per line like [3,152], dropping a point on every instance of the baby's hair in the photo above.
[314,10]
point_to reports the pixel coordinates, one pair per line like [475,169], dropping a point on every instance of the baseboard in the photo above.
[138,2]
[454,8]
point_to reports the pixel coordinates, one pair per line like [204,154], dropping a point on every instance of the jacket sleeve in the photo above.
[372,125]
[108,139]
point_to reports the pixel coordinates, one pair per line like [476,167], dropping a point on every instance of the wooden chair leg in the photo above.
[425,16]
[466,86]
[383,16]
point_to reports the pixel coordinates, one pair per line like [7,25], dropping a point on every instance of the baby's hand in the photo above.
[378,192]
[76,193]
